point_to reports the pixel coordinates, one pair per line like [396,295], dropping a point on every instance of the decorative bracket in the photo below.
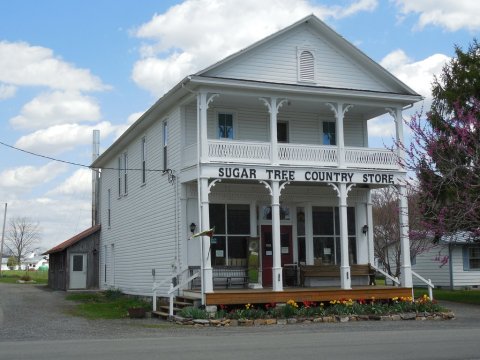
[210,99]
[335,109]
[335,187]
[267,185]
[392,113]
[212,184]
[268,103]
[282,186]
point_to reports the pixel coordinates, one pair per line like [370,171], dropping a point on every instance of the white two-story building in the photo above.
[269,146]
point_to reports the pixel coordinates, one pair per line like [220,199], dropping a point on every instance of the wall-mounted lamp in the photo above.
[365,229]
[193,226]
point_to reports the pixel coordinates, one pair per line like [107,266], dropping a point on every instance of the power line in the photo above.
[83,165]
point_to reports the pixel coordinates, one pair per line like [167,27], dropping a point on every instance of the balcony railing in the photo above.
[295,154]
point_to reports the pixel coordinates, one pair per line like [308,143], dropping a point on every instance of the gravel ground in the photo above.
[29,312]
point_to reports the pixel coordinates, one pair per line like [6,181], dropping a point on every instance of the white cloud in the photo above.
[448,14]
[7,91]
[61,138]
[24,178]
[58,219]
[22,64]
[80,182]
[130,120]
[416,74]
[196,33]
[55,108]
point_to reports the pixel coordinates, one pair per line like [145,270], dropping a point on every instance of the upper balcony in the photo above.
[238,130]
[249,152]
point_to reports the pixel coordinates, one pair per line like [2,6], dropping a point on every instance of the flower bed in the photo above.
[333,311]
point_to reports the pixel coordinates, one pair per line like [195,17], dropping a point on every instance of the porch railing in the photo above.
[238,151]
[363,157]
[307,154]
[234,151]
[387,275]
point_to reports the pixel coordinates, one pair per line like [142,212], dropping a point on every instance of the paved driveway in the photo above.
[36,313]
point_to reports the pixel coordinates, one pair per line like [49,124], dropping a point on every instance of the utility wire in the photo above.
[82,165]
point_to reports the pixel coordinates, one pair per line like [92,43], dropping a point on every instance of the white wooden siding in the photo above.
[276,62]
[143,223]
[433,264]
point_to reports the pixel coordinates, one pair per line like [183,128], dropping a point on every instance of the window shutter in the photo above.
[466,260]
[307,66]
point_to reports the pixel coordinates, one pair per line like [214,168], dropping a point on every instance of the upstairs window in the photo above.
[225,126]
[125,173]
[144,160]
[165,145]
[329,136]
[306,66]
[282,132]
[119,176]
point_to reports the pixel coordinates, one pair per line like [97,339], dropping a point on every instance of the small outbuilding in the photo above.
[74,262]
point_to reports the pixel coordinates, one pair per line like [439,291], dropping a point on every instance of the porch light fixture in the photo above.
[365,229]
[193,226]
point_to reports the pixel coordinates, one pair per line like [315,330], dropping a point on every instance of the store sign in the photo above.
[305,175]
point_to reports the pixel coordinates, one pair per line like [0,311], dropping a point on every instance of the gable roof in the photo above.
[67,243]
[334,38]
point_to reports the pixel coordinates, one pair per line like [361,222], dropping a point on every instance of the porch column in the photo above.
[273,104]
[345,278]
[406,267]
[371,245]
[277,281]
[362,237]
[207,276]
[398,118]
[339,111]
[202,126]
[203,100]
[308,234]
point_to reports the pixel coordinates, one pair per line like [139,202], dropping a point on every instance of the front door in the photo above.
[78,271]
[286,251]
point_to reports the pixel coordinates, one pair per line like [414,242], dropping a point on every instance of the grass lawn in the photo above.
[461,296]
[11,276]
[105,305]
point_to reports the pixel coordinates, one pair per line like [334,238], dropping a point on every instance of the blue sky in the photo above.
[67,67]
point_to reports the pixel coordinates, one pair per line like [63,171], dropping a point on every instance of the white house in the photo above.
[271,147]
[453,262]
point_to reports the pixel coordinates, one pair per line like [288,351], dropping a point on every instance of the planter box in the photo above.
[136,313]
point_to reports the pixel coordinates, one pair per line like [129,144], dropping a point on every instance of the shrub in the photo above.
[194,313]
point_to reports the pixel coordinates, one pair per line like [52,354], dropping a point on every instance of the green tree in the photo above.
[12,262]
[445,151]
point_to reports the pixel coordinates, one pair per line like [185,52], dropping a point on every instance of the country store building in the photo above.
[269,146]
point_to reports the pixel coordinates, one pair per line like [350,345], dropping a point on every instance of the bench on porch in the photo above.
[333,271]
[230,276]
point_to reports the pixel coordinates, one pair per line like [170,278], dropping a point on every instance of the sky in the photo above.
[68,67]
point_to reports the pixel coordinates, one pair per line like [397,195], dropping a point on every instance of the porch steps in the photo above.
[178,304]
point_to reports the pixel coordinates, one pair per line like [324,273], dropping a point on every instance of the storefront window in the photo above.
[301,235]
[326,235]
[232,230]
[267,212]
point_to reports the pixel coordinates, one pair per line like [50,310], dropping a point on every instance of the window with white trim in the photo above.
[225,126]
[306,65]
[165,145]
[125,173]
[471,258]
[109,209]
[329,135]
[119,165]
[144,159]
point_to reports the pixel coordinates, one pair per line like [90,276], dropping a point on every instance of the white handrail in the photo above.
[384,273]
[156,286]
[428,282]
[173,289]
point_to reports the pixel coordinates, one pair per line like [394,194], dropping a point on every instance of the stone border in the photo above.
[308,320]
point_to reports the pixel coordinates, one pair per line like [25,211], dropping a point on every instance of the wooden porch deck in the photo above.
[300,294]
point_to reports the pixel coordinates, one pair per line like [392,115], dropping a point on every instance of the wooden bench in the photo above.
[228,276]
[333,271]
